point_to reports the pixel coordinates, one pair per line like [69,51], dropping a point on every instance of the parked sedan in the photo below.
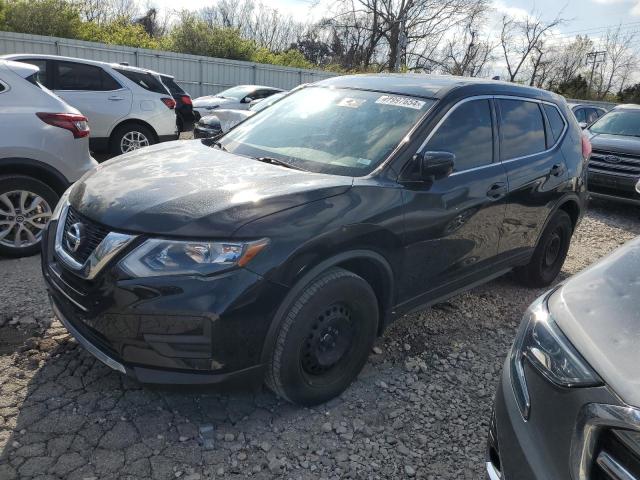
[44,146]
[236,98]
[225,119]
[614,167]
[568,403]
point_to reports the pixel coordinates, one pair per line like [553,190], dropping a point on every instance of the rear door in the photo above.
[89,88]
[530,136]
[453,224]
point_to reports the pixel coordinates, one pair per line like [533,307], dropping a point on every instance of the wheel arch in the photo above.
[35,169]
[133,121]
[368,264]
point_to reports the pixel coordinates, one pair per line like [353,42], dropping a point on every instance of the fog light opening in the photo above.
[494,458]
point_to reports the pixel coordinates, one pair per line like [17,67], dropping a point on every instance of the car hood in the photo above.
[225,115]
[599,311]
[187,189]
[615,143]
[213,101]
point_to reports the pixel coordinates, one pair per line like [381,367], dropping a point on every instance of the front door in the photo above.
[453,224]
[95,93]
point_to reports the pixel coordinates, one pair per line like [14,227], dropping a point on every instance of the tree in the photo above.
[193,35]
[620,62]
[520,39]
[56,18]
[576,87]
[630,94]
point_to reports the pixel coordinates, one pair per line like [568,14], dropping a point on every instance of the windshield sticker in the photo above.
[351,102]
[400,102]
[364,161]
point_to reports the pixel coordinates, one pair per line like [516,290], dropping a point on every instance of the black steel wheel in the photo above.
[324,338]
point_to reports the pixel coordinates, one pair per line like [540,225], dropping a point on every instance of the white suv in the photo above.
[127,107]
[44,147]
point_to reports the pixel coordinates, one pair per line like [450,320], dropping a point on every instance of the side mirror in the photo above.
[583,125]
[435,165]
[247,100]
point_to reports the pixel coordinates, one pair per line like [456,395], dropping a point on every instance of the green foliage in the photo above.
[57,18]
[577,87]
[630,94]
[289,58]
[117,32]
[193,35]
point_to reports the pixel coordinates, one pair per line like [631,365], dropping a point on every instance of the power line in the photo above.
[622,26]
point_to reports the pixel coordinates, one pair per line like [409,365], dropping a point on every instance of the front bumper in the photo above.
[202,132]
[614,187]
[166,330]
[545,446]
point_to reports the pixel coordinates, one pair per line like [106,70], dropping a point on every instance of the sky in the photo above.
[586,16]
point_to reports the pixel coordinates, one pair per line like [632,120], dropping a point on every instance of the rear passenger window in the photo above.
[468,134]
[79,76]
[592,115]
[2,87]
[556,122]
[521,129]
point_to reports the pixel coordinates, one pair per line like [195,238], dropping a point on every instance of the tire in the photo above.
[132,134]
[550,253]
[20,232]
[180,124]
[324,338]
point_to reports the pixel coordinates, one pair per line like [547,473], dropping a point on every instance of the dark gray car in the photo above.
[614,167]
[568,404]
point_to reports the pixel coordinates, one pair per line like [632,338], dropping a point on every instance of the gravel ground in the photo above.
[419,409]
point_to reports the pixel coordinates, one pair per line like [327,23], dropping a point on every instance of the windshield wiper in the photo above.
[275,161]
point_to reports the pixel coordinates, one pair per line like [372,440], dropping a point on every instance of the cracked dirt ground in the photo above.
[419,409]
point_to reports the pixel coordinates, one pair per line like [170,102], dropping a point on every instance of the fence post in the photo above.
[255,73]
[135,55]
[201,73]
[57,44]
[300,77]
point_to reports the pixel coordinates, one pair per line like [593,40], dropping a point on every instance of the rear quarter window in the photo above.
[173,87]
[144,80]
[556,121]
[521,129]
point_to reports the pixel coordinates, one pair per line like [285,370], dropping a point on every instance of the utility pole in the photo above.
[595,58]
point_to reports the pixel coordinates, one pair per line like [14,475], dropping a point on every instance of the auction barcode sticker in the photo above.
[400,101]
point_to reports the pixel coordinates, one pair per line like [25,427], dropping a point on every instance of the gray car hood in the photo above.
[213,101]
[599,311]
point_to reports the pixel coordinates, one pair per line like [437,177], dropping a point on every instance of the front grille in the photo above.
[617,456]
[93,234]
[620,164]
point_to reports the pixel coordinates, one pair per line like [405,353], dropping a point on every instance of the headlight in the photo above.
[64,200]
[543,345]
[166,257]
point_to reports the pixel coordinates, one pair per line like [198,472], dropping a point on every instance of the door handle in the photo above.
[497,190]
[115,98]
[557,170]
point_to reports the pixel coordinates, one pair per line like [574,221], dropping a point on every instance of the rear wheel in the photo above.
[550,253]
[129,137]
[26,206]
[324,338]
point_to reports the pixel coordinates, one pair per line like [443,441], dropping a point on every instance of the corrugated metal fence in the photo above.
[196,74]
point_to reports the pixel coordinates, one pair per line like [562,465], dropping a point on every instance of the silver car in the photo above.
[568,402]
[236,98]
[44,147]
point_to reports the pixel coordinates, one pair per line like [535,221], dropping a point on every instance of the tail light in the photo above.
[586,147]
[169,102]
[186,99]
[76,124]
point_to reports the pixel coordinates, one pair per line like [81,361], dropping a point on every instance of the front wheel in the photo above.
[324,338]
[26,205]
[550,253]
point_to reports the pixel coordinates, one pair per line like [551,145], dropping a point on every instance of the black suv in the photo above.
[282,249]
[614,168]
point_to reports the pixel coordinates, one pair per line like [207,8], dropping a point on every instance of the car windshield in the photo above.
[329,130]
[236,93]
[262,104]
[618,122]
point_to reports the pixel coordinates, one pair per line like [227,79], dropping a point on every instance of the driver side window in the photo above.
[468,134]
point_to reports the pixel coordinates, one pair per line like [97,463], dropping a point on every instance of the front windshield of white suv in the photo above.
[328,130]
[618,122]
